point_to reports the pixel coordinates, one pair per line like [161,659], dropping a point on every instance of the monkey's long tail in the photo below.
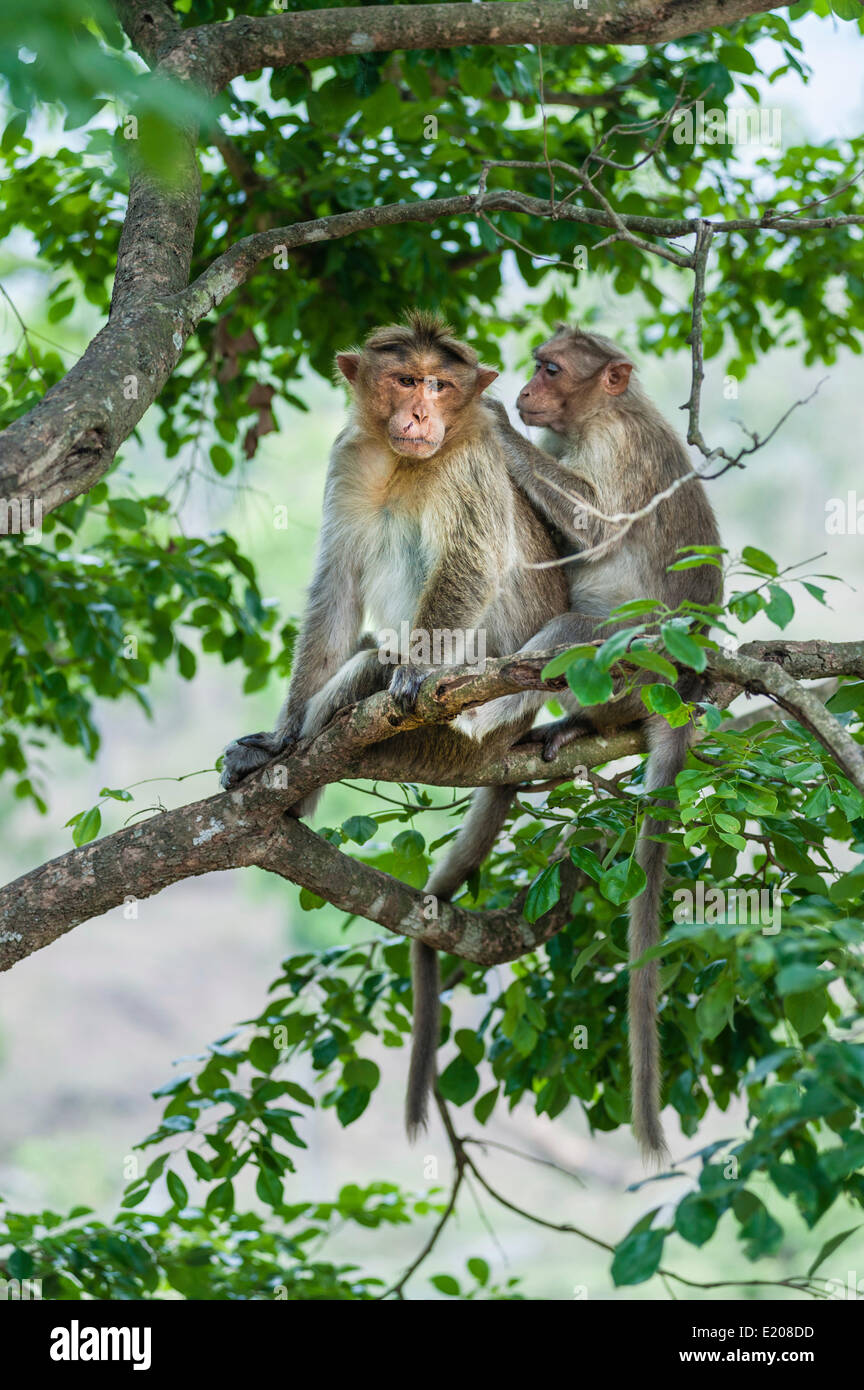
[667,753]
[486,815]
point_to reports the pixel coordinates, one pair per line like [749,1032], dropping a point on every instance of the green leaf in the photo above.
[848,697]
[479,1269]
[559,664]
[587,953]
[20,1264]
[587,861]
[696,1219]
[359,828]
[360,1071]
[262,1054]
[637,1257]
[650,660]
[176,1190]
[445,1283]
[221,1198]
[200,1167]
[805,1011]
[829,1247]
[13,132]
[485,1105]
[268,1186]
[459,1081]
[543,893]
[221,459]
[590,684]
[779,607]
[524,1037]
[126,512]
[470,1045]
[682,647]
[758,560]
[799,978]
[88,826]
[351,1104]
[625,880]
[662,699]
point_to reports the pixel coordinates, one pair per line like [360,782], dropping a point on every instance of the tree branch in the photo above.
[216,53]
[769,677]
[67,442]
[250,825]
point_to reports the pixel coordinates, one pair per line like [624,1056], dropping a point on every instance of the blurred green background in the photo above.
[91,1025]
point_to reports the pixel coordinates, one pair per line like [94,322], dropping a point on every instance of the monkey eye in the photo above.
[406,381]
[552,368]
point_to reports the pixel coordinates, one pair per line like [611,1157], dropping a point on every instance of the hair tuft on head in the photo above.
[421,331]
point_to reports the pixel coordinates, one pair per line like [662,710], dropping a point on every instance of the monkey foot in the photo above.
[405,686]
[246,755]
[556,736]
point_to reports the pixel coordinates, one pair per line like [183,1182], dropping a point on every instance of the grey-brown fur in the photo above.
[610,446]
[440,538]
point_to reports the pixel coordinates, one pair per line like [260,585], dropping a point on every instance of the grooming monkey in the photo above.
[422,525]
[608,445]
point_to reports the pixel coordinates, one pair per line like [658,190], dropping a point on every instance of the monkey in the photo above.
[423,526]
[608,451]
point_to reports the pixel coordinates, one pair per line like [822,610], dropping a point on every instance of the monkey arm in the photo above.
[328,637]
[455,599]
[328,633]
[551,487]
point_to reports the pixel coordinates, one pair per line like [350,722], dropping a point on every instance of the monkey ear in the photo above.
[485,377]
[348,363]
[615,377]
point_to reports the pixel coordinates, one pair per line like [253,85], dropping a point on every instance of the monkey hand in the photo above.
[246,755]
[405,686]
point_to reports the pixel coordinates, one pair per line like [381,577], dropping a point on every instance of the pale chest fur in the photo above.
[382,527]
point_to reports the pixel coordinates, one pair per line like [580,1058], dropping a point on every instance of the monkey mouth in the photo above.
[412,441]
[532,417]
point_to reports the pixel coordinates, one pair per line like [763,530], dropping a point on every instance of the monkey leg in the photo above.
[362,675]
[570,628]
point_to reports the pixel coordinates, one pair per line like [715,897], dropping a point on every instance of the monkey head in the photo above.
[414,385]
[576,376]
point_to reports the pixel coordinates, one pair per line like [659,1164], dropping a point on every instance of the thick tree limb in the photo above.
[249,826]
[68,442]
[214,54]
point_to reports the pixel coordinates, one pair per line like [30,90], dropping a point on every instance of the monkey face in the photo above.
[571,381]
[543,401]
[421,406]
[414,385]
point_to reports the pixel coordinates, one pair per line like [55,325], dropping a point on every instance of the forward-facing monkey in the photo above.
[422,525]
[609,447]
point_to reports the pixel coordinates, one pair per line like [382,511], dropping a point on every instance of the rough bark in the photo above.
[216,53]
[250,825]
[69,440]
